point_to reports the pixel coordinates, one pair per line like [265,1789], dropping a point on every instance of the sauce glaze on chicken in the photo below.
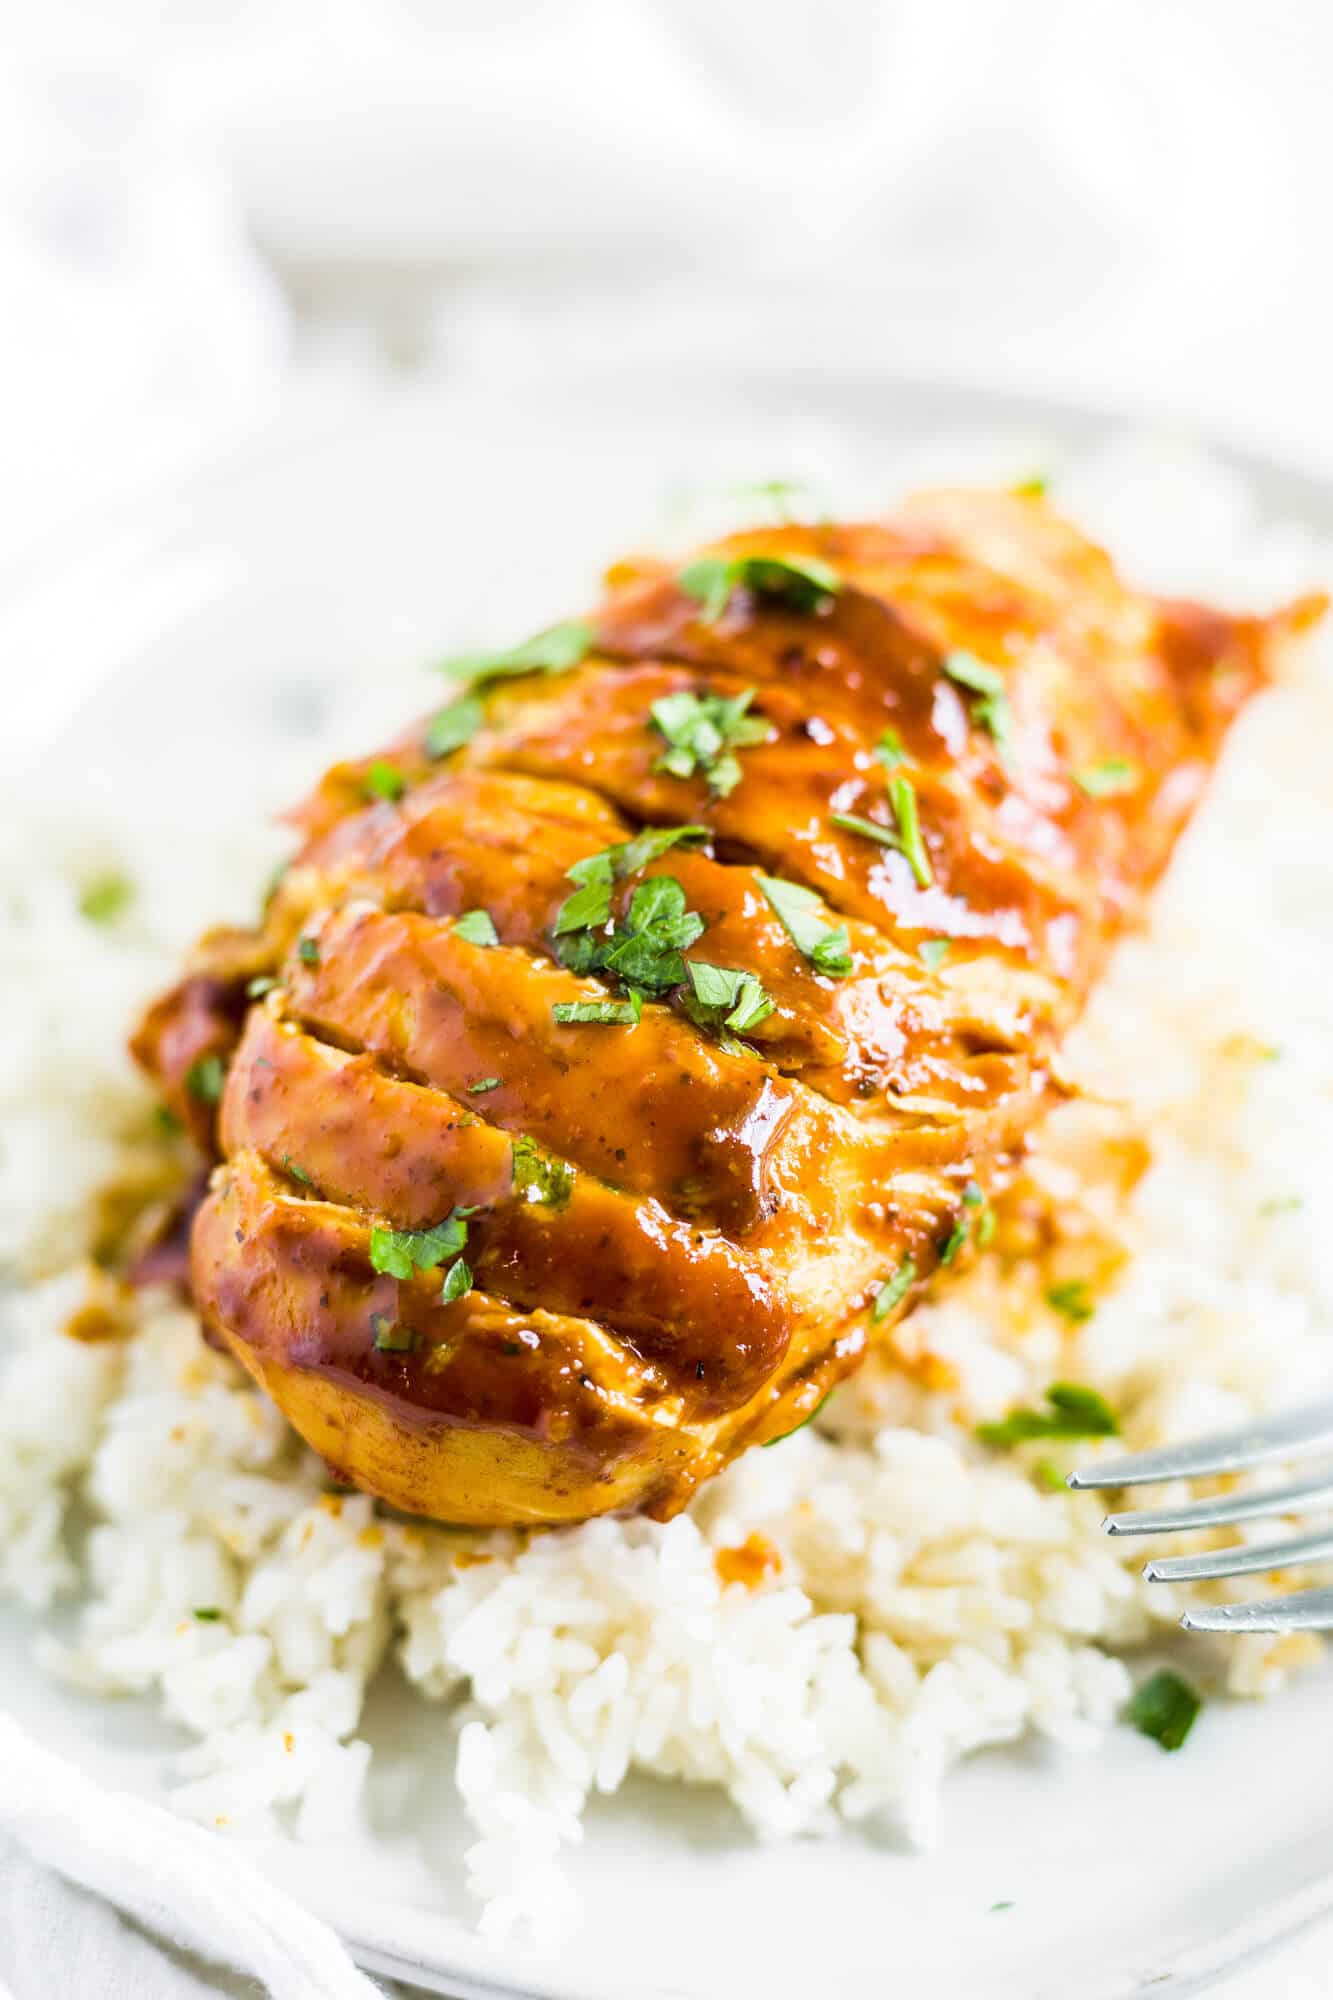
[503,1262]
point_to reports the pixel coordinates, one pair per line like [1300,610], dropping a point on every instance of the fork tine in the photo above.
[1302,1611]
[1241,1559]
[1222,1451]
[1223,1511]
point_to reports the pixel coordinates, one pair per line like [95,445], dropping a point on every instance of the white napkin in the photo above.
[185,1885]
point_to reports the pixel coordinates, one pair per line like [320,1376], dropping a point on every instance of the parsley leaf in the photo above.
[384,781]
[538,1177]
[703,731]
[893,1291]
[906,839]
[608,1013]
[483,1083]
[724,995]
[1031,488]
[205,1077]
[1164,1707]
[207,1614]
[647,947]
[870,829]
[390,1338]
[1074,1412]
[902,797]
[1108,779]
[454,726]
[932,952]
[590,905]
[990,710]
[782,1439]
[890,751]
[826,946]
[475,927]
[398,1253]
[553,651]
[782,495]
[255,989]
[802,583]
[457,1282]
[106,897]
[970,672]
[1071,1299]
[290,1168]
[308,951]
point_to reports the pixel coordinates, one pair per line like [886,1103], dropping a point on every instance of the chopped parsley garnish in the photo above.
[779,493]
[644,950]
[106,897]
[649,844]
[648,942]
[1050,1476]
[399,1253]
[457,1282]
[1282,1204]
[703,732]
[308,951]
[1164,1707]
[802,583]
[871,829]
[970,672]
[293,1172]
[932,952]
[207,1614]
[904,837]
[165,1121]
[955,1240]
[454,726]
[827,946]
[893,1291]
[1108,779]
[390,1338]
[902,797]
[990,705]
[1071,1299]
[553,651]
[1031,488]
[973,1198]
[475,927]
[205,1077]
[274,883]
[606,1013]
[798,1427]
[384,781]
[537,1177]
[590,905]
[483,1083]
[257,988]
[724,996]
[1073,1412]
[890,750]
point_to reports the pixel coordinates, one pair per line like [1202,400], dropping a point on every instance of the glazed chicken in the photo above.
[631,1043]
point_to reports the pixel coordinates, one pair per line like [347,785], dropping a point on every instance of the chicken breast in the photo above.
[635,1039]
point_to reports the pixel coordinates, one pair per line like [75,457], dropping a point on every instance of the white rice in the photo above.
[929,1597]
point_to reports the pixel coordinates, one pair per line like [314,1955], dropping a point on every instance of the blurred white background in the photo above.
[214,210]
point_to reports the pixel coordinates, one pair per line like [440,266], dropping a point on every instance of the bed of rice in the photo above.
[919,1596]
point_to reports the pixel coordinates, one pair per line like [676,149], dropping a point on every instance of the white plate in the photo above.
[194,654]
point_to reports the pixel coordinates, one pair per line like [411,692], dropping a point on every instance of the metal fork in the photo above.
[1298,1434]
